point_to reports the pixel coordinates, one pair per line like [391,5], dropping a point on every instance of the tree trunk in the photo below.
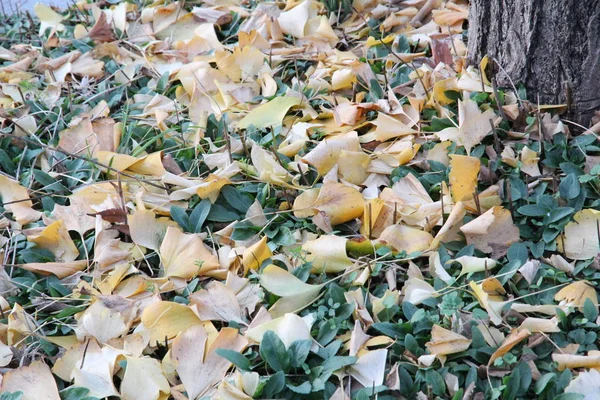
[552,47]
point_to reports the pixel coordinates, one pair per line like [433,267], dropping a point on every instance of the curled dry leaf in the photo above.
[444,342]
[327,254]
[492,232]
[576,293]
[516,336]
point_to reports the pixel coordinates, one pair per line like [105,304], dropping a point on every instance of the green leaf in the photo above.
[76,393]
[273,351]
[218,213]
[180,216]
[37,255]
[236,199]
[11,396]
[569,187]
[570,396]
[590,310]
[275,384]
[436,381]
[543,382]
[559,213]
[533,210]
[299,350]
[236,358]
[199,215]
[518,252]
[304,388]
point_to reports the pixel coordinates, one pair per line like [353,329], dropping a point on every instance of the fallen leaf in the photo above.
[34,381]
[581,236]
[516,336]
[444,342]
[492,232]
[185,255]
[270,113]
[198,366]
[576,293]
[473,126]
[144,379]
[327,254]
[463,177]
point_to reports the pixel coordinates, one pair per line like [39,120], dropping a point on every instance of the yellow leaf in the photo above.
[388,128]
[146,230]
[198,366]
[289,327]
[11,191]
[444,342]
[185,255]
[440,88]
[576,293]
[474,125]
[255,255]
[573,361]
[492,232]
[55,238]
[35,381]
[167,319]
[404,238]
[581,240]
[493,304]
[515,337]
[48,18]
[295,294]
[269,170]
[327,152]
[58,269]
[463,176]
[475,264]
[327,254]
[144,379]
[270,113]
[339,202]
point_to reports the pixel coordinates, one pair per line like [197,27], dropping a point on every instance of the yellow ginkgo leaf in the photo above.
[327,153]
[474,125]
[270,113]
[16,200]
[475,264]
[463,176]
[254,255]
[55,238]
[444,342]
[269,170]
[529,162]
[404,238]
[146,230]
[198,365]
[185,255]
[295,294]
[165,319]
[340,203]
[492,304]
[34,381]
[572,361]
[581,240]
[58,269]
[516,336]
[48,18]
[576,293]
[327,254]
[144,379]
[492,232]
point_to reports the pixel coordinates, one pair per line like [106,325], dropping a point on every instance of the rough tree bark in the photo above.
[550,46]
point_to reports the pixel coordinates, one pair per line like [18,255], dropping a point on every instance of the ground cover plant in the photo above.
[300,200]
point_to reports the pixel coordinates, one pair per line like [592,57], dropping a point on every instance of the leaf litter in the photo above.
[301,199]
